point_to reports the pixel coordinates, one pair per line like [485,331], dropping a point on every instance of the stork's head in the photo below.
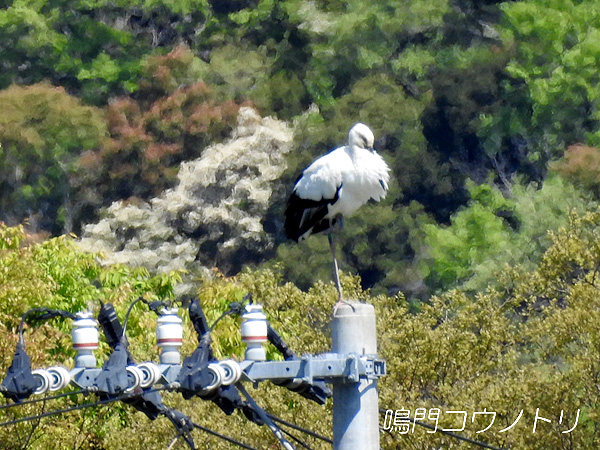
[360,136]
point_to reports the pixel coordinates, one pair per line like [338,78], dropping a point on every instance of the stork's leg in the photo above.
[336,273]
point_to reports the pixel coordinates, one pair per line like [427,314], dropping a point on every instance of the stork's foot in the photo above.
[341,302]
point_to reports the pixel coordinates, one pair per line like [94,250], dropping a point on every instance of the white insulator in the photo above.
[233,371]
[43,379]
[254,332]
[85,339]
[218,374]
[169,336]
[59,378]
[135,377]
[150,374]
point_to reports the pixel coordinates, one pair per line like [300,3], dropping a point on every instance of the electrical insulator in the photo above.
[217,374]
[43,381]
[134,378]
[254,332]
[233,371]
[59,378]
[85,339]
[151,374]
[169,336]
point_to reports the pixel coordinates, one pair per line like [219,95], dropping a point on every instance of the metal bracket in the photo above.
[330,367]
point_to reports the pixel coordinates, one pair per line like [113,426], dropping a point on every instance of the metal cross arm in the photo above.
[330,367]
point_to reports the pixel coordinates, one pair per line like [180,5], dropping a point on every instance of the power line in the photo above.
[299,428]
[298,440]
[126,396]
[149,406]
[221,436]
[37,400]
[187,440]
[103,402]
[65,410]
[127,317]
[43,314]
[263,415]
[449,433]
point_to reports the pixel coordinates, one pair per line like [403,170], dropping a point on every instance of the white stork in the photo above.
[334,186]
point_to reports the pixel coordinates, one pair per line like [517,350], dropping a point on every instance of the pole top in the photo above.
[352,308]
[353,328]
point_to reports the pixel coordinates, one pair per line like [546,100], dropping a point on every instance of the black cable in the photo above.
[153,306]
[46,313]
[78,407]
[299,428]
[188,440]
[263,415]
[127,396]
[140,299]
[234,308]
[228,439]
[106,401]
[37,400]
[299,441]
[449,433]
[226,313]
[59,411]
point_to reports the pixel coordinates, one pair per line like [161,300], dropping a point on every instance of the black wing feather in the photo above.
[303,215]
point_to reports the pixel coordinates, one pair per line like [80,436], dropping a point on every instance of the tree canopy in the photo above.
[529,343]
[455,91]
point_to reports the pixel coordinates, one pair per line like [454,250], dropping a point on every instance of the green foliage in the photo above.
[55,274]
[378,243]
[42,131]
[175,119]
[552,91]
[475,232]
[27,34]
[452,122]
[11,237]
[492,231]
[532,343]
[243,72]
[35,46]
[453,91]
[236,71]
[363,39]
[94,48]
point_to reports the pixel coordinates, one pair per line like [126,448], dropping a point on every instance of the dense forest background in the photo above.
[484,110]
[165,136]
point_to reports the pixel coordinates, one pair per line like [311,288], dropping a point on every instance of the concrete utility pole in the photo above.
[355,404]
